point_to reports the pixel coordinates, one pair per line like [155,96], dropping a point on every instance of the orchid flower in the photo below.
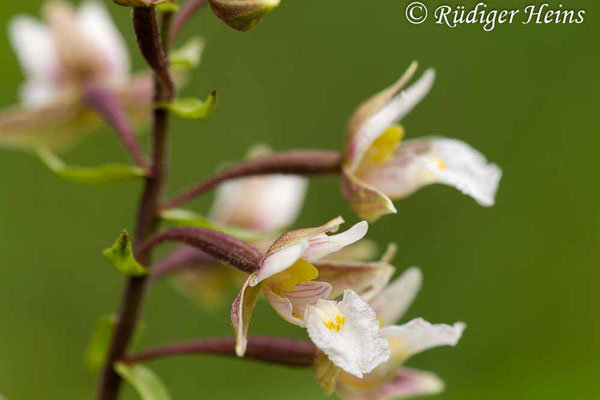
[61,57]
[346,331]
[262,204]
[391,380]
[379,167]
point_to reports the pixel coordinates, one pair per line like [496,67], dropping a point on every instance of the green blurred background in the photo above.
[522,274]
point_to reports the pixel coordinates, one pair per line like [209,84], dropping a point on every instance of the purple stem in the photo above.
[298,162]
[277,350]
[181,257]
[186,12]
[216,244]
[108,105]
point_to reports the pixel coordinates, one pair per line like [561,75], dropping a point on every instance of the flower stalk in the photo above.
[149,40]
[299,162]
[296,353]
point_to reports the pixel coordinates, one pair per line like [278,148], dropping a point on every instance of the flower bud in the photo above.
[242,15]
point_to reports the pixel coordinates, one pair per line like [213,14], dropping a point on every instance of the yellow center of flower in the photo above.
[382,149]
[300,272]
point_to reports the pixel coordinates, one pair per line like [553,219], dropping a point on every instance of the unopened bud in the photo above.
[242,15]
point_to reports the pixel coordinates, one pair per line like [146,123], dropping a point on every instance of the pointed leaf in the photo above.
[192,108]
[102,174]
[183,217]
[146,383]
[97,348]
[188,56]
[120,256]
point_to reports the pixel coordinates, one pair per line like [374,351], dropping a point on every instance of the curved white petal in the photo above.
[37,54]
[264,203]
[322,245]
[291,305]
[391,303]
[95,22]
[393,111]
[348,332]
[279,261]
[241,314]
[419,335]
[425,161]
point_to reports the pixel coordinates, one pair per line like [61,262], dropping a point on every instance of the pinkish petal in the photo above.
[95,22]
[391,304]
[292,304]
[264,203]
[368,202]
[425,161]
[241,314]
[404,383]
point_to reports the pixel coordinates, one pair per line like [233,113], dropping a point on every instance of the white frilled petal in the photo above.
[391,303]
[291,305]
[241,314]
[95,22]
[431,160]
[348,332]
[279,261]
[393,111]
[405,383]
[419,335]
[37,54]
[322,245]
[266,203]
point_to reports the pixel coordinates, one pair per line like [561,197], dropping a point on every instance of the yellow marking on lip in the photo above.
[382,149]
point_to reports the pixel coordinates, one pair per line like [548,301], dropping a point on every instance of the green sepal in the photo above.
[97,348]
[100,175]
[192,108]
[120,256]
[145,382]
[183,217]
[167,6]
[188,56]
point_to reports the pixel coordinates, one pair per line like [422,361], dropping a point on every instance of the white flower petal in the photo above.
[291,306]
[322,245]
[279,261]
[419,335]
[424,161]
[391,304]
[95,22]
[396,109]
[348,332]
[265,203]
[37,54]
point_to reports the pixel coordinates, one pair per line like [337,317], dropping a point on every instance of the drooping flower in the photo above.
[391,380]
[378,167]
[71,49]
[346,331]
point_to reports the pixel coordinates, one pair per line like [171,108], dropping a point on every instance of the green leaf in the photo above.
[95,353]
[188,56]
[97,348]
[102,174]
[180,216]
[144,381]
[120,256]
[192,108]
